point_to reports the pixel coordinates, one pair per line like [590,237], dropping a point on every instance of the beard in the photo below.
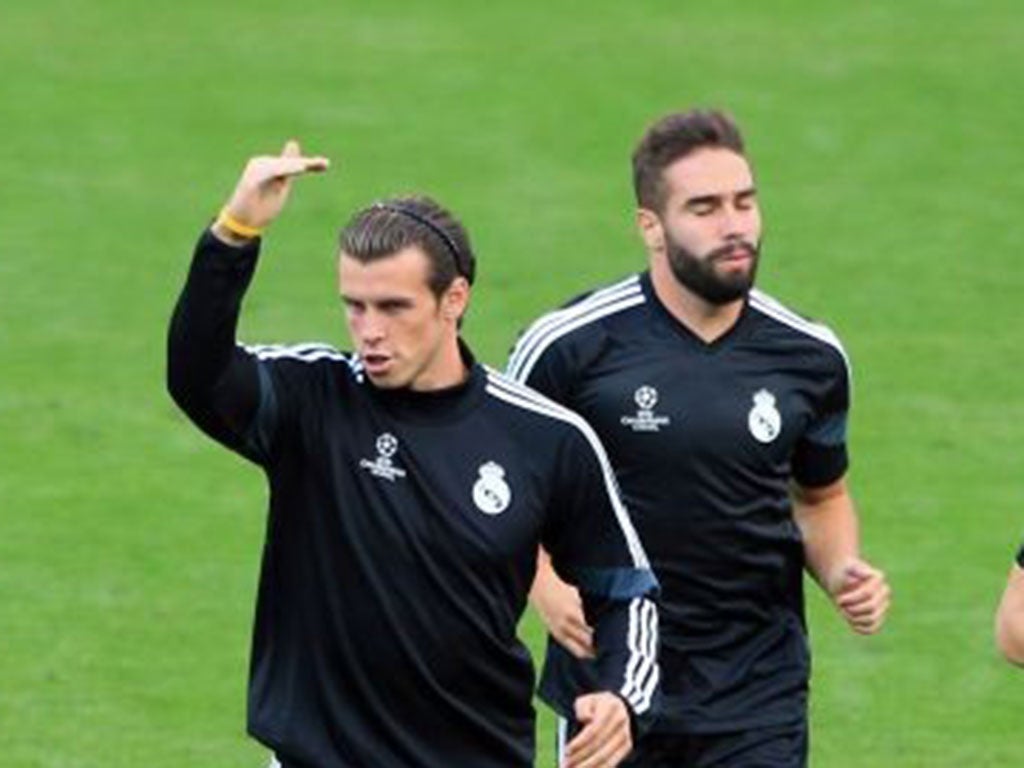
[698,273]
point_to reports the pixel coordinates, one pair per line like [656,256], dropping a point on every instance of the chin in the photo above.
[384,381]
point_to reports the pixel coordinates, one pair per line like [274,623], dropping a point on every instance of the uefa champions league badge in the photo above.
[491,493]
[384,465]
[645,419]
[764,419]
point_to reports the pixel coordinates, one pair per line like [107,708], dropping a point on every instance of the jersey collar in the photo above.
[666,320]
[439,406]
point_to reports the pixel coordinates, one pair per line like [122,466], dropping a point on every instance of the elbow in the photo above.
[176,388]
[187,392]
[181,382]
[1010,637]
[183,376]
[1009,629]
[175,378]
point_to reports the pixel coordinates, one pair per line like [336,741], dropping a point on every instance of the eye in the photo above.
[393,307]
[353,307]
[702,207]
[746,202]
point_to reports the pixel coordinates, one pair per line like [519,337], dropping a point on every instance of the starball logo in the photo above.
[645,419]
[384,465]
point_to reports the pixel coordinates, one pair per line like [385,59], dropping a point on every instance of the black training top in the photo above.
[705,439]
[401,542]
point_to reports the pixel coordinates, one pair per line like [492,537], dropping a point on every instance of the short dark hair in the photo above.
[674,137]
[389,226]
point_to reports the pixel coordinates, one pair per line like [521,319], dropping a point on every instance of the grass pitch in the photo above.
[886,138]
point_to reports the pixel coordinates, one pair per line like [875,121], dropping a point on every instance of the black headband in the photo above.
[463,269]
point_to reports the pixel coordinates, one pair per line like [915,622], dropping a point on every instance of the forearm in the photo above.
[201,348]
[830,530]
[626,642]
[828,524]
[545,572]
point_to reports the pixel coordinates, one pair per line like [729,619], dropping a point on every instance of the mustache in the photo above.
[737,247]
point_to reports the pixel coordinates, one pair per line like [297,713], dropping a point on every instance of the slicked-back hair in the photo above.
[672,138]
[389,226]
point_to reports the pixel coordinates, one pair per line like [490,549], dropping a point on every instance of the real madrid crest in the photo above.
[491,493]
[764,419]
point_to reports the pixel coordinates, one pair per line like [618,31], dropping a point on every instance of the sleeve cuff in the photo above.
[210,243]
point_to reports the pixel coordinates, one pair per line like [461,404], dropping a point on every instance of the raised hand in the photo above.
[262,191]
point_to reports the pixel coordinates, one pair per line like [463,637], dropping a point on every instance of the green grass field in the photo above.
[887,140]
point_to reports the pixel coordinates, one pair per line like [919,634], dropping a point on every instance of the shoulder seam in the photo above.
[552,326]
[774,309]
[307,352]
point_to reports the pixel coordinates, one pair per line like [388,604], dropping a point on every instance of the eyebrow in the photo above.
[708,199]
[384,301]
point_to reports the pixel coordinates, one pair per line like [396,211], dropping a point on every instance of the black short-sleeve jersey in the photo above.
[401,543]
[705,440]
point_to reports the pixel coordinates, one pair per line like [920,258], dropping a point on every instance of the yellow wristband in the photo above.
[235,227]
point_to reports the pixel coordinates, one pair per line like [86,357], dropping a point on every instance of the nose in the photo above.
[737,224]
[731,222]
[367,328]
[372,331]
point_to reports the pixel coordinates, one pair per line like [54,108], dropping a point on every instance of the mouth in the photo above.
[376,363]
[735,256]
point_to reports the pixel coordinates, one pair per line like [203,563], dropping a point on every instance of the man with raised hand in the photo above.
[724,414]
[410,488]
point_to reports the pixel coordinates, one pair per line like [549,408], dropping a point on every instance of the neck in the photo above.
[447,370]
[705,320]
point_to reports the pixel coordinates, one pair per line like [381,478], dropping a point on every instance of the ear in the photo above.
[455,299]
[651,229]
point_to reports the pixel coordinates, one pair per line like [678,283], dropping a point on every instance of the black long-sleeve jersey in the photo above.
[705,439]
[401,543]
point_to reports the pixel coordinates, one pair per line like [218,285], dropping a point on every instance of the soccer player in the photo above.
[1010,615]
[724,414]
[410,489]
